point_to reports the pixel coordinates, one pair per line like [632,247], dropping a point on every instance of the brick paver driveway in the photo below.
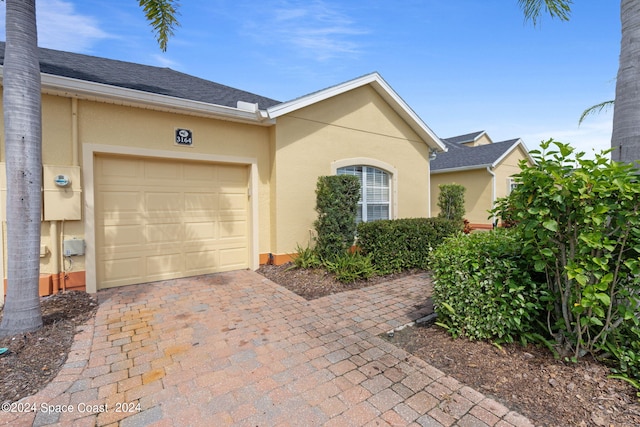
[237,349]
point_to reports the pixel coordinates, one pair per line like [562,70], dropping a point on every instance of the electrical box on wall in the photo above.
[62,193]
[73,247]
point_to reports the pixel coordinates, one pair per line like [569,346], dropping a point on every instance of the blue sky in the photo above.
[462,65]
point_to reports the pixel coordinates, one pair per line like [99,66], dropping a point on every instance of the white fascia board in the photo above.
[510,149]
[82,89]
[461,169]
[382,88]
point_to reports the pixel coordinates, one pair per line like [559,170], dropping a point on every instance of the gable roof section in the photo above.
[480,157]
[382,88]
[466,138]
[133,83]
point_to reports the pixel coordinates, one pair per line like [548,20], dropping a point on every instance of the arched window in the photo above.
[375,194]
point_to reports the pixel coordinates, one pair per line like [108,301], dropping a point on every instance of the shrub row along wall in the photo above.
[396,245]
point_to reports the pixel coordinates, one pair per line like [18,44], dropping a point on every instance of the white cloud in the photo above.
[592,136]
[163,61]
[61,27]
[316,29]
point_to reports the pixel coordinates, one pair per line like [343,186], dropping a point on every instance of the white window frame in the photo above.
[511,185]
[390,170]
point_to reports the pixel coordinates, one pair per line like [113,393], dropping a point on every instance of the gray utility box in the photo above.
[73,247]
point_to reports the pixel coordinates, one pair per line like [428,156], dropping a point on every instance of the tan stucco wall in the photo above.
[353,125]
[478,197]
[115,125]
[477,194]
[483,140]
[507,168]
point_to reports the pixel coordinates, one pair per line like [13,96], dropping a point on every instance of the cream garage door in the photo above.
[160,219]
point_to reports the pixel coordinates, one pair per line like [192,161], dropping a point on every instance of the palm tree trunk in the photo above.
[23,145]
[625,139]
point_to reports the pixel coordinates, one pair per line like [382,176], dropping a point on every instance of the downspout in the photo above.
[493,191]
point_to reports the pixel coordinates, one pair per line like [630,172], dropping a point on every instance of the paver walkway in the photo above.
[237,349]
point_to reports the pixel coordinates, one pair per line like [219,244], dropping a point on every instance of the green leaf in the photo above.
[604,298]
[546,252]
[550,225]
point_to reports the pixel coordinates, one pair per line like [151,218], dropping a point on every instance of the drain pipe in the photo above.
[493,191]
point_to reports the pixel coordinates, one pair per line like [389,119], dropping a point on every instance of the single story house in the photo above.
[485,168]
[152,174]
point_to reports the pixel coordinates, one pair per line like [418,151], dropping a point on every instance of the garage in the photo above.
[158,219]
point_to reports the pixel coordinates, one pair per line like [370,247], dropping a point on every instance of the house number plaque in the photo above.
[184,137]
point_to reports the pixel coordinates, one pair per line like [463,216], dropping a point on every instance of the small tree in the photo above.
[451,201]
[337,204]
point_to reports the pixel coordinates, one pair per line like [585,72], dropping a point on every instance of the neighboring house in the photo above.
[483,167]
[174,176]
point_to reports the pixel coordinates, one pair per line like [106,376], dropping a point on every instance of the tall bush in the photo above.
[451,201]
[336,203]
[579,223]
[401,244]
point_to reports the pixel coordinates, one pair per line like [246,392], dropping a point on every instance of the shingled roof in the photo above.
[146,78]
[462,157]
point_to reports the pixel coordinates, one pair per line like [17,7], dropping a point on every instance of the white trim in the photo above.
[382,88]
[89,151]
[493,190]
[510,149]
[461,169]
[367,161]
[75,88]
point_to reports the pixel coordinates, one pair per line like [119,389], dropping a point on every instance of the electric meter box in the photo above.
[73,247]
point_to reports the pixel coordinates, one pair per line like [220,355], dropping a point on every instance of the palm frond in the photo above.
[595,109]
[162,16]
[532,9]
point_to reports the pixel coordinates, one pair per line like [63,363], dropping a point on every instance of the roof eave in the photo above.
[382,88]
[65,86]
[462,168]
[515,145]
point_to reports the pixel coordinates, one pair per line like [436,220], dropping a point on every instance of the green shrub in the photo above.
[402,244]
[451,201]
[482,288]
[578,223]
[306,258]
[351,266]
[336,203]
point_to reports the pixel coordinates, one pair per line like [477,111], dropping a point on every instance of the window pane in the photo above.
[375,196]
[377,212]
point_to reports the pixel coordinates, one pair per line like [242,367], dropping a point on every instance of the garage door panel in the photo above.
[200,174]
[120,170]
[197,202]
[123,235]
[164,264]
[121,201]
[200,232]
[200,262]
[232,229]
[164,233]
[233,257]
[161,219]
[121,271]
[163,202]
[233,202]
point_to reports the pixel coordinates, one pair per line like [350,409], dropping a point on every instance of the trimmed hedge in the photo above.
[402,244]
[337,205]
[483,289]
